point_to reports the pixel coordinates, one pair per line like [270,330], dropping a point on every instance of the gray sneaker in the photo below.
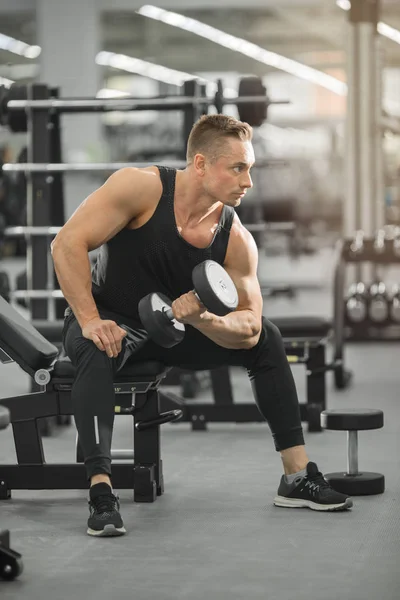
[311,491]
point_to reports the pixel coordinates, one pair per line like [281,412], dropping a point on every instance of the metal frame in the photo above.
[144,475]
[345,258]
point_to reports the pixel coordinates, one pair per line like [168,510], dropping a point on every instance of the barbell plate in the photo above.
[215,288]
[163,331]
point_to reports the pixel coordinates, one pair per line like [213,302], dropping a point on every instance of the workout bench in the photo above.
[11,564]
[136,387]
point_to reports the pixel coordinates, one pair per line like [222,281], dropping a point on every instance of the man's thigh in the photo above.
[197,352]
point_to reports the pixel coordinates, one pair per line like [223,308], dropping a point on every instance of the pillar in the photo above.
[364,203]
[69,35]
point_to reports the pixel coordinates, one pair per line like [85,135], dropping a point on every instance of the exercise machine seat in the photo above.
[150,370]
[352,419]
[302,327]
[22,342]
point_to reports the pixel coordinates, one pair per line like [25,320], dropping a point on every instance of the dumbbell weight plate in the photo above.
[163,331]
[362,484]
[215,288]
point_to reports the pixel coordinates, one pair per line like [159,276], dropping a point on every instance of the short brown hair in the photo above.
[210,132]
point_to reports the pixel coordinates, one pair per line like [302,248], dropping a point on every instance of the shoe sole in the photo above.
[298,503]
[108,531]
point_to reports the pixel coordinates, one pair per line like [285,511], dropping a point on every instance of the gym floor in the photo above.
[215,532]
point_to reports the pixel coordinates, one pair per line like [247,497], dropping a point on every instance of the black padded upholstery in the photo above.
[22,342]
[51,330]
[4,417]
[302,327]
[149,370]
[352,419]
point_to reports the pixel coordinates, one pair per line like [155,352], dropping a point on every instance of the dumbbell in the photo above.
[357,245]
[394,306]
[356,303]
[213,287]
[396,242]
[378,309]
[379,241]
[353,482]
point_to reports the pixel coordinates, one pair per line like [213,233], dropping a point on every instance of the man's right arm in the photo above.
[126,195]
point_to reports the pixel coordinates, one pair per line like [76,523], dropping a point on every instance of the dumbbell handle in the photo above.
[352,452]
[169,313]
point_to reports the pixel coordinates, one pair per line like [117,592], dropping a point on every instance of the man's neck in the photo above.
[191,204]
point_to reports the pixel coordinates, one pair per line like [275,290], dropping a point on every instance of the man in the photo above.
[153,226]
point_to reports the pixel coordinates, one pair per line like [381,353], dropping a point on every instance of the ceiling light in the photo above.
[244,47]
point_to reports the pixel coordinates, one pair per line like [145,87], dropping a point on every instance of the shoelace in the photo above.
[104,503]
[316,483]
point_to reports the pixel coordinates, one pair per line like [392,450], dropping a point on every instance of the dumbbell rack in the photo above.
[366,330]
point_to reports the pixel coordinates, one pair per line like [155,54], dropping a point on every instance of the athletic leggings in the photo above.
[93,397]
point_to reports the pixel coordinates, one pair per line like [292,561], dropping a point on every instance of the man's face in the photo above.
[228,177]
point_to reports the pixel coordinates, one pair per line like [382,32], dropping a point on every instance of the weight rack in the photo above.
[346,256]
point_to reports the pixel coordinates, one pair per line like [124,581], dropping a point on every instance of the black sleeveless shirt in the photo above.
[153,258]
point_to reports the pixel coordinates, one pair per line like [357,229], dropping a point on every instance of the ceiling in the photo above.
[314,33]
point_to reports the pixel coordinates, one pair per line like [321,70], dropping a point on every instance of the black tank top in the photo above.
[154,257]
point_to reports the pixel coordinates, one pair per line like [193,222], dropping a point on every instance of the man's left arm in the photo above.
[240,329]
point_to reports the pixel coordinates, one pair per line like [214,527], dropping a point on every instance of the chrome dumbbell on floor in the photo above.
[354,482]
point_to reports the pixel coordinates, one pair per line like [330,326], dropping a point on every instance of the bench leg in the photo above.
[28,442]
[148,473]
[316,387]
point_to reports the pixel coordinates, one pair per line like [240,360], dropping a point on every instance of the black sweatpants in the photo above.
[93,397]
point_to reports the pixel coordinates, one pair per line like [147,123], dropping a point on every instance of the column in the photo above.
[364,204]
[69,34]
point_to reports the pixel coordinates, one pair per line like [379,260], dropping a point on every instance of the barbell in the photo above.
[252,103]
[94,167]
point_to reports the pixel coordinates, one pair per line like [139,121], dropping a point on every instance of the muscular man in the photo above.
[153,226]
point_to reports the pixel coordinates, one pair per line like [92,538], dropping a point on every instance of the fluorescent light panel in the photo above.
[17,47]
[244,47]
[142,67]
[344,4]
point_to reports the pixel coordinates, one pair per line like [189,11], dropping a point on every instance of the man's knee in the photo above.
[84,353]
[271,330]
[269,350]
[270,335]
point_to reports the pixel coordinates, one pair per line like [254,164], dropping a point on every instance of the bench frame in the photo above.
[144,475]
[140,398]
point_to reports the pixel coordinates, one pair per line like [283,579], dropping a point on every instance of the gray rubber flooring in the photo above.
[215,532]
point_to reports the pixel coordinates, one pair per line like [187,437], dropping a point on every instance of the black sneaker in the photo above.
[104,520]
[311,491]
